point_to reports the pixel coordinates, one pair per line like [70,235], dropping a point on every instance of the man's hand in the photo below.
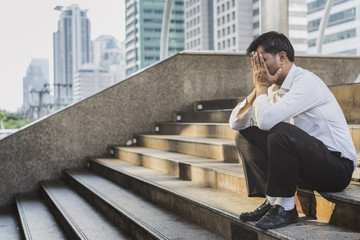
[262,78]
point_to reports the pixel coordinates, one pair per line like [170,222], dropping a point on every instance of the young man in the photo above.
[292,132]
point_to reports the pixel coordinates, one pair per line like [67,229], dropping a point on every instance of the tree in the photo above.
[12,120]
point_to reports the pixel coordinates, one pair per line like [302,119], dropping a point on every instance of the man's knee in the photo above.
[280,133]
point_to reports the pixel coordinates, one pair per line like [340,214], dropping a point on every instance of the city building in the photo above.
[109,54]
[237,23]
[90,79]
[143,32]
[342,31]
[72,48]
[199,25]
[233,26]
[36,89]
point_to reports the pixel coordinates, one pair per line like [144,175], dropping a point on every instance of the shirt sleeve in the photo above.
[303,95]
[243,121]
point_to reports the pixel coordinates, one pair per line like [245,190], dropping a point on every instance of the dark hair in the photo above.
[273,43]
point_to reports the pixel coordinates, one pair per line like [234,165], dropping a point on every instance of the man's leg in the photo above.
[295,156]
[252,147]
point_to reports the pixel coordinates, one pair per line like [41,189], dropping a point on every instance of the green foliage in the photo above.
[12,120]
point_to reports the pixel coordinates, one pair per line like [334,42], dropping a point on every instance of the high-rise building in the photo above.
[72,48]
[36,89]
[90,79]
[199,25]
[109,54]
[233,26]
[237,23]
[143,32]
[342,33]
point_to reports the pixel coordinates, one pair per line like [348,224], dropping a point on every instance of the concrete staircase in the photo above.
[182,181]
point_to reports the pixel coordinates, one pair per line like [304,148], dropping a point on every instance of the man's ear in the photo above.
[283,56]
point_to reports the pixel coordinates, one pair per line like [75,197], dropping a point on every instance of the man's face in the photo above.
[272,62]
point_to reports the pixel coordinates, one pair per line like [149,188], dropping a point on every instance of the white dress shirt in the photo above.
[305,101]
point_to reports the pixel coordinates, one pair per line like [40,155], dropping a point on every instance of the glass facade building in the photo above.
[342,31]
[143,32]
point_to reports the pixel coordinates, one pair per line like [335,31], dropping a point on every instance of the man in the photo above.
[292,132]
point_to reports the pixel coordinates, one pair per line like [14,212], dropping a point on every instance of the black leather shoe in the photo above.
[257,213]
[277,217]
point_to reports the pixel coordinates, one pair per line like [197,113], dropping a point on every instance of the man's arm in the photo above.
[249,101]
[243,114]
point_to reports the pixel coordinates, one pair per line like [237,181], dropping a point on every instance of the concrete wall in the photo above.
[63,140]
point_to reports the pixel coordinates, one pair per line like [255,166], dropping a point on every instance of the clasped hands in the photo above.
[262,78]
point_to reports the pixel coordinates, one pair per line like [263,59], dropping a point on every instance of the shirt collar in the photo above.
[285,86]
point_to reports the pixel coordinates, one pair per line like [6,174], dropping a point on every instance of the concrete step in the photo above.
[215,148]
[223,149]
[77,217]
[200,170]
[220,130]
[214,116]
[211,130]
[140,218]
[230,177]
[217,104]
[9,226]
[355,134]
[36,219]
[212,209]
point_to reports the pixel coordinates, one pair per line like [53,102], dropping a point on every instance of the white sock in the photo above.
[286,202]
[271,200]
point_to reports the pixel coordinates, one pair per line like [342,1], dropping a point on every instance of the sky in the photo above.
[26,29]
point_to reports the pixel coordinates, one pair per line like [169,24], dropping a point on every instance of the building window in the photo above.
[228,18]
[340,36]
[218,21]
[233,3]
[223,44]
[219,46]
[218,10]
[256,12]
[223,32]
[234,28]
[334,19]
[228,5]
[255,25]
[233,15]
[223,20]
[228,30]
[234,41]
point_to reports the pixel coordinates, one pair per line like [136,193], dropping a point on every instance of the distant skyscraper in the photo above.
[237,23]
[90,79]
[36,95]
[342,34]
[199,25]
[143,32]
[72,46]
[233,27]
[109,54]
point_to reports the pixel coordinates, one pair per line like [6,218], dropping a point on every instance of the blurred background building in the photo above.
[36,89]
[199,25]
[342,31]
[72,48]
[143,30]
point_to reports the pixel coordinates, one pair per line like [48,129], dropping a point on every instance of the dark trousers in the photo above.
[278,161]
